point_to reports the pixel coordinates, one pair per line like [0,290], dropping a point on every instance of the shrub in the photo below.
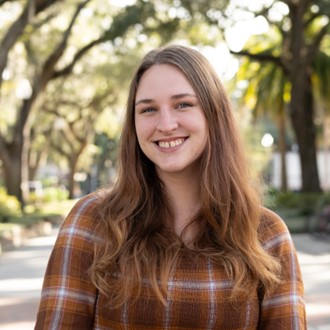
[304,204]
[9,206]
[52,194]
[323,201]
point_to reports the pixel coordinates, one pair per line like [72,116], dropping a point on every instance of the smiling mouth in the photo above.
[170,144]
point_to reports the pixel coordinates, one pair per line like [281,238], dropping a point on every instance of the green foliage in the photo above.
[46,211]
[129,17]
[52,194]
[323,201]
[302,204]
[322,78]
[9,206]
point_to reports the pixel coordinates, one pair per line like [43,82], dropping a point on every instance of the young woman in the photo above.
[181,241]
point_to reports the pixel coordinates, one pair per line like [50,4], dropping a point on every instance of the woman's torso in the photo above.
[198,298]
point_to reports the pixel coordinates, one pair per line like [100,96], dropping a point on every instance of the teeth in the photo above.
[170,144]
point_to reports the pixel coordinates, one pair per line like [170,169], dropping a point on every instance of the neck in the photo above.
[184,196]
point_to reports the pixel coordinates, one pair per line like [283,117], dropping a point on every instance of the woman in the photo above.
[181,241]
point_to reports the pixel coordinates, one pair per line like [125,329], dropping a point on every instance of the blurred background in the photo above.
[65,67]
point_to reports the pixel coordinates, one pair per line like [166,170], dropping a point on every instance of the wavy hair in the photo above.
[138,243]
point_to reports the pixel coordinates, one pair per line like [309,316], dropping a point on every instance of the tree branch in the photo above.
[314,46]
[40,81]
[261,57]
[133,14]
[48,67]
[312,17]
[16,29]
[68,69]
[13,33]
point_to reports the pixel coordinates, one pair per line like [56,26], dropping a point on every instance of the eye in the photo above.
[183,105]
[147,110]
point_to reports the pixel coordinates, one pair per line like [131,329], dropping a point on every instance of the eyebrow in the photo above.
[174,97]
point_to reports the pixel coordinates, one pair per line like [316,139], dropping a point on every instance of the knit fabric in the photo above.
[198,290]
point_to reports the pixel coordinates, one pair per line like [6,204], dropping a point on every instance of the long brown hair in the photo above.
[138,244]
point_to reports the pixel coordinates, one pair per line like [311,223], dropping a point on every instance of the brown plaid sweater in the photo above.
[197,291]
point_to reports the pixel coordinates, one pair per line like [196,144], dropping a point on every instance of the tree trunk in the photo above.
[13,175]
[299,57]
[302,117]
[71,184]
[72,170]
[11,156]
[326,143]
[282,148]
[14,155]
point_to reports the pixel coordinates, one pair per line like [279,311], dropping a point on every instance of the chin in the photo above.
[175,169]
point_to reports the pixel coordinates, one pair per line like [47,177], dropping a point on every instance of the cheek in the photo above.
[143,127]
[199,125]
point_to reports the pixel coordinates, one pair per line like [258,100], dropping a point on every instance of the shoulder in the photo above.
[85,207]
[83,218]
[273,232]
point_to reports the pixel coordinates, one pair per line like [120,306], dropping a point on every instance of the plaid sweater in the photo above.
[197,291]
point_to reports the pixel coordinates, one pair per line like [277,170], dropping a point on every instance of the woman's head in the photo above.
[210,93]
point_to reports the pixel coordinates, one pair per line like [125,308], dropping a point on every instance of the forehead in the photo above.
[163,78]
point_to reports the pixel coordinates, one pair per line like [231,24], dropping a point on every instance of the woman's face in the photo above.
[170,124]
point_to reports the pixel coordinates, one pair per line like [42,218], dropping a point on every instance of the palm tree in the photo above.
[268,89]
[301,32]
[321,80]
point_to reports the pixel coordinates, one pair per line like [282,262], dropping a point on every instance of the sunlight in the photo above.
[122,3]
[239,34]
[223,62]
[8,12]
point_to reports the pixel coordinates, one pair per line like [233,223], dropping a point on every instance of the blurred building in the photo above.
[294,170]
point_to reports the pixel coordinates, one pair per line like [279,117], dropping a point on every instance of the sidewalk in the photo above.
[314,258]
[21,275]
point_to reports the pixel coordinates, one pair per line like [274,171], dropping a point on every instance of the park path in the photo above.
[314,258]
[21,273]
[21,276]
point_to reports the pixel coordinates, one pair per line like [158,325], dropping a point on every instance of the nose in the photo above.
[167,121]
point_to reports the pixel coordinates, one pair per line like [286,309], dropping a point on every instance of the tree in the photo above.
[14,147]
[321,81]
[14,153]
[301,32]
[266,93]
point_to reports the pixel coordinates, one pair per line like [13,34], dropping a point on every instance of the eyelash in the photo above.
[148,110]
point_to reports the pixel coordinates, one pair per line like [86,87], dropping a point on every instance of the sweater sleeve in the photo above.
[285,307]
[68,297]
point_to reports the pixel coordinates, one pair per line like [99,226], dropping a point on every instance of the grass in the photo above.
[50,208]
[35,216]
